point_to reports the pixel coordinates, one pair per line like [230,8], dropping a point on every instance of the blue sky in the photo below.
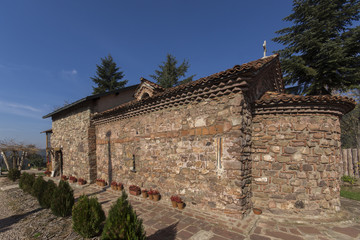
[49,49]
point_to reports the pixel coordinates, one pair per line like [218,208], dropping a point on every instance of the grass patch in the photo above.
[36,235]
[350,193]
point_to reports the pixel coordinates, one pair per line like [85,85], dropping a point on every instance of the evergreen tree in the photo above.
[169,74]
[108,76]
[350,124]
[322,48]
[122,222]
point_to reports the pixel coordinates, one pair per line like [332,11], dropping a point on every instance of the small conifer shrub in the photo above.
[13,174]
[26,182]
[62,200]
[22,180]
[46,198]
[38,187]
[87,217]
[122,222]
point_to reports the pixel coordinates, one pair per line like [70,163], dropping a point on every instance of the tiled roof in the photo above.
[276,98]
[88,98]
[154,85]
[245,71]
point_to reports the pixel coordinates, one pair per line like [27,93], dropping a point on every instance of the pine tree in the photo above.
[322,48]
[108,76]
[169,74]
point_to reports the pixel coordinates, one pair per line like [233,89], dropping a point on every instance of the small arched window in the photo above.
[145,95]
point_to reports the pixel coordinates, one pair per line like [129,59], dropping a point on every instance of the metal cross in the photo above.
[264,46]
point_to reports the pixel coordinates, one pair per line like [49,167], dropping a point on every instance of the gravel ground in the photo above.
[21,217]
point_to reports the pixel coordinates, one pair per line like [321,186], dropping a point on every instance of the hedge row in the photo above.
[87,214]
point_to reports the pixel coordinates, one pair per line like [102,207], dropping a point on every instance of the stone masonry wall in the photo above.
[295,162]
[72,133]
[200,151]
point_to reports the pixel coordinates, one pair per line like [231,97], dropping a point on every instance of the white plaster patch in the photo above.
[200,122]
[268,158]
[261,179]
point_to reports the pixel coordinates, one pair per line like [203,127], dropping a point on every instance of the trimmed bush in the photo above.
[122,222]
[22,180]
[46,198]
[62,200]
[26,182]
[13,174]
[87,217]
[38,188]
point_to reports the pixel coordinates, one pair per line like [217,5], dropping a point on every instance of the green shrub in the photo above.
[62,200]
[14,174]
[26,182]
[348,179]
[87,216]
[46,198]
[122,222]
[22,180]
[38,187]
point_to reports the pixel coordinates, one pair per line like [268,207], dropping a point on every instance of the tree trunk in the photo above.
[23,156]
[350,162]
[5,160]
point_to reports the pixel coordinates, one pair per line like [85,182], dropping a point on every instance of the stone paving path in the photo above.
[161,221]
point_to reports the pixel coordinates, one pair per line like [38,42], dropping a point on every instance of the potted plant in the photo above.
[134,190]
[47,173]
[257,211]
[180,204]
[119,186]
[113,185]
[102,183]
[81,181]
[154,195]
[144,193]
[72,179]
[174,200]
[64,178]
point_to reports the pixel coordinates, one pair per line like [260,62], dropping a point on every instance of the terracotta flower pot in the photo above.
[119,187]
[180,205]
[72,181]
[144,194]
[257,211]
[174,204]
[135,193]
[81,183]
[156,197]
[151,197]
[113,187]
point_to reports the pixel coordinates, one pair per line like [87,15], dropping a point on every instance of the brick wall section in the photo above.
[295,162]
[176,152]
[71,132]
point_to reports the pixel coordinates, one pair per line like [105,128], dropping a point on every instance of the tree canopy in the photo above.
[350,124]
[108,76]
[169,74]
[322,52]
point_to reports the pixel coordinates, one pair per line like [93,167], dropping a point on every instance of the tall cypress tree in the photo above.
[169,74]
[322,52]
[108,76]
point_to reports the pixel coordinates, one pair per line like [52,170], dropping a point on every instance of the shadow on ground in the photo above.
[168,233]
[5,223]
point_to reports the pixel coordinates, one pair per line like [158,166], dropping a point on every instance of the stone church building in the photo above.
[225,143]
